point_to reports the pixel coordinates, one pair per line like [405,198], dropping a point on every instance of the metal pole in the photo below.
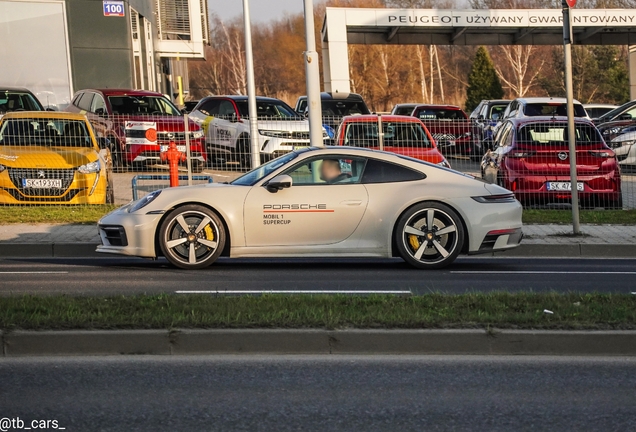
[569,93]
[380,133]
[251,88]
[313,79]
[186,128]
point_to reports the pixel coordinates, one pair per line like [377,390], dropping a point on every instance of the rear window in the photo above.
[397,134]
[440,114]
[404,110]
[552,109]
[343,108]
[556,134]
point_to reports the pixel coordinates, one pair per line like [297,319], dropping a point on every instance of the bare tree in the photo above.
[518,58]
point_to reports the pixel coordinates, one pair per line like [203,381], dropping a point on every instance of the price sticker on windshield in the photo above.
[114,8]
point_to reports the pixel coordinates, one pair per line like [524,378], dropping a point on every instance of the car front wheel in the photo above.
[429,235]
[192,237]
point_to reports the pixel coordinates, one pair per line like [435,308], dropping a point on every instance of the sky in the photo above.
[260,10]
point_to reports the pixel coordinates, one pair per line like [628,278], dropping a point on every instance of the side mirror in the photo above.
[279,183]
[100,112]
[480,117]
[306,113]
[103,142]
[233,118]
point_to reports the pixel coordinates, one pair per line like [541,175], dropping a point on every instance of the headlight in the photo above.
[144,201]
[623,143]
[2,168]
[90,168]
[274,134]
[197,134]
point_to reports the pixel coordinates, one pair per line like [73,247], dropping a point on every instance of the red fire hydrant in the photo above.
[173,156]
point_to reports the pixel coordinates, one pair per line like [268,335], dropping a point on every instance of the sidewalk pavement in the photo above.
[23,240]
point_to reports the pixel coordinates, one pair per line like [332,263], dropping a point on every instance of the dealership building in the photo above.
[56,47]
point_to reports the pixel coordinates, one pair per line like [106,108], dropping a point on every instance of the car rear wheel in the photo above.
[192,237]
[429,235]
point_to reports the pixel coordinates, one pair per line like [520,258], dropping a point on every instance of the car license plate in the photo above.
[564,186]
[181,148]
[42,183]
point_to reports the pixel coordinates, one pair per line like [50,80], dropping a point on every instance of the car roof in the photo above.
[599,105]
[329,96]
[385,117]
[16,89]
[44,114]
[497,101]
[548,119]
[123,92]
[240,98]
[433,106]
[544,100]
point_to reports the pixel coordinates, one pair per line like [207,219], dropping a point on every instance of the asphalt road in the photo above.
[123,276]
[322,393]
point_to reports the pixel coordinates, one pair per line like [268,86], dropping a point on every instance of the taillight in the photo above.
[513,186]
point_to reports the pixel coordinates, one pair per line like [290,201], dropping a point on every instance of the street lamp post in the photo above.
[313,78]
[255,151]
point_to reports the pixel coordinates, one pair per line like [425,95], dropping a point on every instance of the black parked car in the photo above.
[334,108]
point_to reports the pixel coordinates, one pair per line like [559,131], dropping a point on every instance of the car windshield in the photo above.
[556,134]
[496,111]
[18,101]
[45,132]
[398,134]
[142,105]
[343,108]
[268,110]
[252,177]
[440,114]
[552,109]
[616,111]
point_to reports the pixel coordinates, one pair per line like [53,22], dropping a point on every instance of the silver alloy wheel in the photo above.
[430,235]
[191,237]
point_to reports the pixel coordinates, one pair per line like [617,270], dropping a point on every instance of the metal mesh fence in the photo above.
[95,158]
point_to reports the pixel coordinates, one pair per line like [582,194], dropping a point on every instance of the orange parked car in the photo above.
[403,135]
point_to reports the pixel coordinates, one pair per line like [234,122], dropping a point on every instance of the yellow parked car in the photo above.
[53,158]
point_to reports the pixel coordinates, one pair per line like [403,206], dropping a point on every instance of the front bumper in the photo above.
[77,188]
[130,234]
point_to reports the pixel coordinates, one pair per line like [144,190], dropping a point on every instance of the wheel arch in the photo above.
[228,242]
[465,246]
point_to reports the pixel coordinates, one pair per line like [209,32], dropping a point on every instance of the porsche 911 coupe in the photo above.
[321,202]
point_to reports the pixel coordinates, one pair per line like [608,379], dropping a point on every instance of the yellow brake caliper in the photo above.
[414,242]
[209,234]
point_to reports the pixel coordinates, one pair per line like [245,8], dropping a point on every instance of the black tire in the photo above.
[429,248]
[243,154]
[192,237]
[110,193]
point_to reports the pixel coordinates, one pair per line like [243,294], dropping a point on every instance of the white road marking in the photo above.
[543,272]
[34,272]
[296,292]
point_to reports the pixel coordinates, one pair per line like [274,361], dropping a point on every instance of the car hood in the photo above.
[284,125]
[164,123]
[46,157]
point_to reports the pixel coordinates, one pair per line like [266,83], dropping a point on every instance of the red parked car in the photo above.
[451,128]
[532,159]
[403,135]
[140,124]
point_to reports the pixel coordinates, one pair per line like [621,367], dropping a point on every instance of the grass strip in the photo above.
[614,217]
[501,310]
[71,214]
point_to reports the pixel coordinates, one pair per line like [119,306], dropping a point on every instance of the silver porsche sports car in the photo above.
[321,202]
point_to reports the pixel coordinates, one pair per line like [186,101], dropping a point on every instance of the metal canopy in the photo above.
[343,26]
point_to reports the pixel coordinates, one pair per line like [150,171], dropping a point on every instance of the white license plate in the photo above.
[42,183]
[181,148]
[564,186]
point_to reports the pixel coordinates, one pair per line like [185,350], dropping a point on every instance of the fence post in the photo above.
[186,128]
[380,133]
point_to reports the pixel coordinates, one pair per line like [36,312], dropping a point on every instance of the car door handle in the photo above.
[351,202]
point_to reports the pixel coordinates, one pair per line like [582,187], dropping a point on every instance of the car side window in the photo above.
[226,109]
[327,170]
[211,107]
[377,171]
[85,101]
[98,106]
[501,139]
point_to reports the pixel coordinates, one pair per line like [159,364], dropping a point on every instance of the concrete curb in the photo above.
[265,341]
[565,250]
